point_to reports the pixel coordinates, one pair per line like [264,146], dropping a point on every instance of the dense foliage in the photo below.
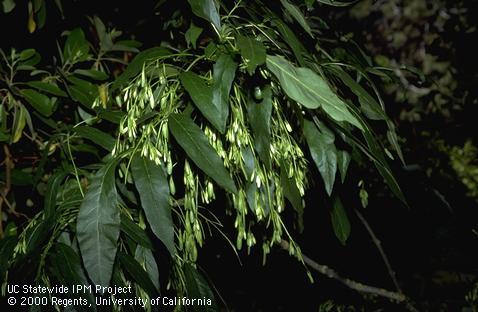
[114,154]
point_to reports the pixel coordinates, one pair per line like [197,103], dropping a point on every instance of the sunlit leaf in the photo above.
[309,89]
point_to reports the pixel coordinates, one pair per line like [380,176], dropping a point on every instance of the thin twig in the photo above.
[378,244]
[5,189]
[331,273]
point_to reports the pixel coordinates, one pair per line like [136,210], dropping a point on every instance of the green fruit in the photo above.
[258,93]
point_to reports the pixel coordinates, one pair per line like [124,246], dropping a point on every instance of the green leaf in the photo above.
[291,39]
[92,73]
[192,34]
[213,102]
[338,3]
[207,10]
[197,287]
[253,51]
[138,274]
[8,5]
[51,193]
[42,103]
[96,136]
[224,73]
[68,265]
[309,89]
[135,232]
[323,152]
[343,160]
[340,221]
[146,258]
[137,63]
[291,192]
[7,246]
[196,145]
[47,87]
[83,91]
[201,95]
[260,119]
[368,104]
[297,15]
[98,225]
[19,122]
[26,54]
[153,188]
[76,47]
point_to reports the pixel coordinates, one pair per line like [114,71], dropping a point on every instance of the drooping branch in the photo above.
[378,244]
[358,286]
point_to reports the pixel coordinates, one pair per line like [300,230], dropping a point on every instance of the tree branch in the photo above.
[377,243]
[331,273]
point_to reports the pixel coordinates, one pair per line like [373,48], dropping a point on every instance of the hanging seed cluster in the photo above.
[152,97]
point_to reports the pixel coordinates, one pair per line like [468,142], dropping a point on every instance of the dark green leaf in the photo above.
[153,188]
[137,63]
[146,258]
[197,287]
[51,193]
[369,105]
[46,87]
[224,73]
[260,119]
[138,274]
[68,265]
[340,221]
[96,136]
[7,245]
[291,192]
[112,116]
[197,147]
[133,230]
[40,102]
[76,47]
[98,225]
[309,89]
[291,39]
[343,160]
[252,51]
[323,152]
[338,3]
[192,34]
[201,94]
[297,15]
[207,10]
[26,54]
[92,73]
